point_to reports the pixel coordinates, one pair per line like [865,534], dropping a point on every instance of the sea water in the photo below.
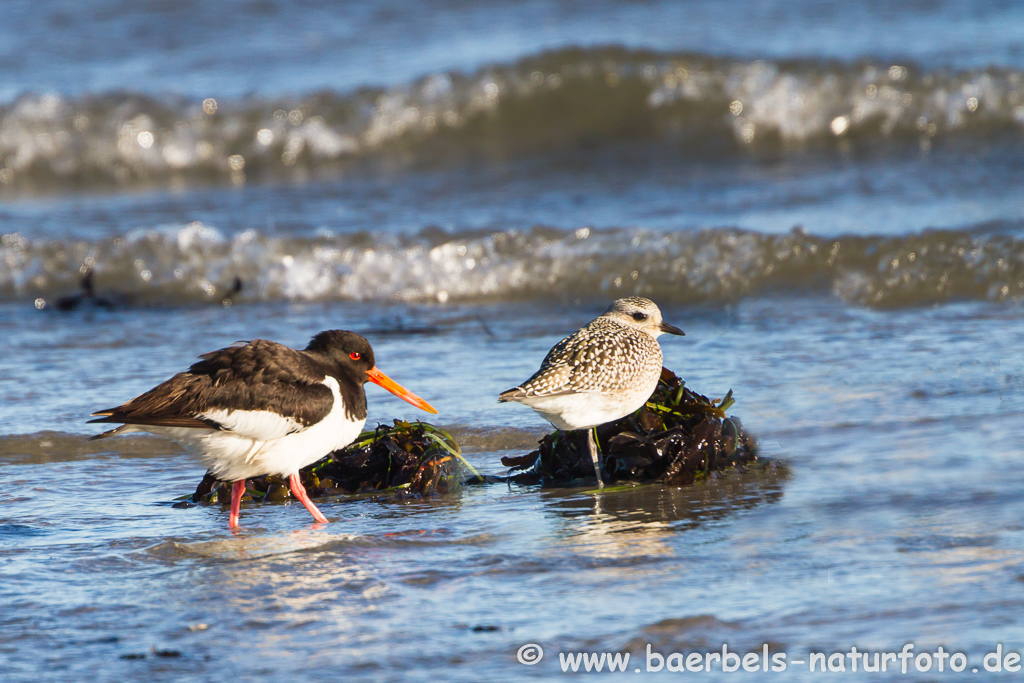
[824,196]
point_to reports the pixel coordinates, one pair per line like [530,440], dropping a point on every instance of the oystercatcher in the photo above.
[260,407]
[604,371]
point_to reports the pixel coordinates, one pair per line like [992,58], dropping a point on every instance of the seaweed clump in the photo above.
[677,438]
[407,458]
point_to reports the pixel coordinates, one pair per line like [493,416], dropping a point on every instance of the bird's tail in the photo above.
[112,432]
[513,394]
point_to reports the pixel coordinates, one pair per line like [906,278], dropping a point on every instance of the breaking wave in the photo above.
[702,104]
[195,264]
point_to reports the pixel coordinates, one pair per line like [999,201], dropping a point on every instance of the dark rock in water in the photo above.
[677,438]
[86,298]
[229,297]
[406,458]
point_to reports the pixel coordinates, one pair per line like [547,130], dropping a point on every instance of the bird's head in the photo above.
[641,314]
[353,357]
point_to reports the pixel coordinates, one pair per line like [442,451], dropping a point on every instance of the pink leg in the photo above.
[237,490]
[299,491]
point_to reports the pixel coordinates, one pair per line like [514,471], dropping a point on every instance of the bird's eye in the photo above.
[355,355]
[639,317]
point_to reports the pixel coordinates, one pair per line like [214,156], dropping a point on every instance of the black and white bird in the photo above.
[604,371]
[260,407]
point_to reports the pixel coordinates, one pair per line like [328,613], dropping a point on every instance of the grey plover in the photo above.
[604,371]
[260,407]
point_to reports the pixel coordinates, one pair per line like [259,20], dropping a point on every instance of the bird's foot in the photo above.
[299,491]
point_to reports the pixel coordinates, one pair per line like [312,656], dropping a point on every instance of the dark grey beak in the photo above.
[672,329]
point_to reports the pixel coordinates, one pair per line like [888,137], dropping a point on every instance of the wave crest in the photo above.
[564,98]
[196,263]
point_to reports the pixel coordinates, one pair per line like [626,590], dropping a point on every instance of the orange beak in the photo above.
[380,379]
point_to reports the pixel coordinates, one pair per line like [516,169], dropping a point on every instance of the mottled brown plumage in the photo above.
[604,356]
[604,371]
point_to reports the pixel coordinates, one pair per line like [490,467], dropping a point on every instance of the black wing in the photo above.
[258,376]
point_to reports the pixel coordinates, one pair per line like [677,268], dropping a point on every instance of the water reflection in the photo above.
[640,521]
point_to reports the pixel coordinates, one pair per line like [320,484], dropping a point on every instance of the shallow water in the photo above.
[896,515]
[832,215]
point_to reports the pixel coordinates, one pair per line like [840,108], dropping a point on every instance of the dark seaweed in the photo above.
[406,458]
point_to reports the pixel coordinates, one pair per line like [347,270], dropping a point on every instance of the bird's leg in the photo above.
[595,455]
[237,491]
[299,491]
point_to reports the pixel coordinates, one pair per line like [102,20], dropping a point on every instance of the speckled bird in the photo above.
[260,407]
[604,371]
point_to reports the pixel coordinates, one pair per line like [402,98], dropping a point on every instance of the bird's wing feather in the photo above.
[554,376]
[262,390]
[603,356]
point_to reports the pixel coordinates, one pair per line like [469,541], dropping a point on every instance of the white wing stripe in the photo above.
[260,425]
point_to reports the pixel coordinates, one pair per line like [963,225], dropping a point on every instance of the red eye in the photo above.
[355,355]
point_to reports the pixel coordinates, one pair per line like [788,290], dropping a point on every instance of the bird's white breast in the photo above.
[588,409]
